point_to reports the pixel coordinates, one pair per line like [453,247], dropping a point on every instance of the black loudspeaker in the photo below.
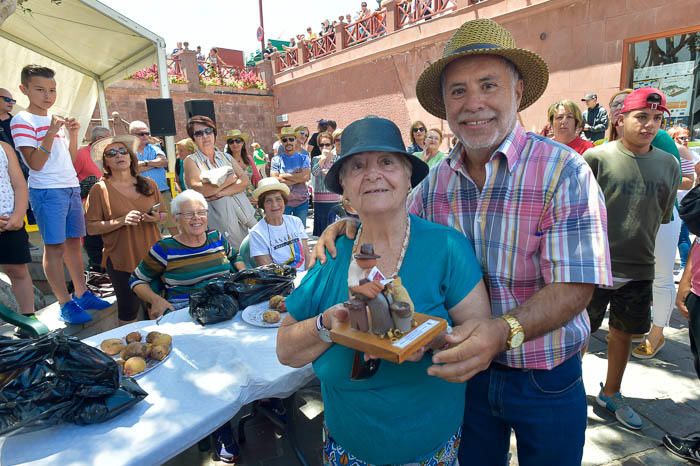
[161,117]
[201,107]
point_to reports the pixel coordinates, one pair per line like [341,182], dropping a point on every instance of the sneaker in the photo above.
[618,405]
[229,454]
[90,301]
[72,313]
[687,448]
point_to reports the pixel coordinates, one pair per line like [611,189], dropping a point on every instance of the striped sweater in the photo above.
[183,270]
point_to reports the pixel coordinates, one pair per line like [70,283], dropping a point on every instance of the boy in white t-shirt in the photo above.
[54,191]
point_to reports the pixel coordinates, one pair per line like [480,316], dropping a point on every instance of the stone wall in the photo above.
[581,40]
[250,110]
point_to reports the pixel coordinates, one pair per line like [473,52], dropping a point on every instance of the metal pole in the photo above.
[262,26]
[102,103]
[165,93]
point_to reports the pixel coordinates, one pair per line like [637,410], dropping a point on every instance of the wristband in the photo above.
[43,149]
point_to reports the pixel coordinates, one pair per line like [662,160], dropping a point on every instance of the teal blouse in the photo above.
[401,414]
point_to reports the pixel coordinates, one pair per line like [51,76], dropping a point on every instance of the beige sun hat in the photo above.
[270,184]
[287,131]
[482,37]
[237,134]
[98,147]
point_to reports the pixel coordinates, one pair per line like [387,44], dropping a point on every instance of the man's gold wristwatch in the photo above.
[516,334]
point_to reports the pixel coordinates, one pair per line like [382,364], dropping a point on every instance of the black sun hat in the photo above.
[373,134]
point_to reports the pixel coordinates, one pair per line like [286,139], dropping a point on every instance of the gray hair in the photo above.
[188,195]
[99,132]
[137,124]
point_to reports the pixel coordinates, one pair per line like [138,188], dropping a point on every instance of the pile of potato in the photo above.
[134,353]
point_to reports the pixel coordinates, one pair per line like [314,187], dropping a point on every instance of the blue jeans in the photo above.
[684,243]
[299,211]
[546,409]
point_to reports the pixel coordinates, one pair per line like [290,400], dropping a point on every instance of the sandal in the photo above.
[646,350]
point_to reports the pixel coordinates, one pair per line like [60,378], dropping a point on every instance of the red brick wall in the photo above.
[583,46]
[251,112]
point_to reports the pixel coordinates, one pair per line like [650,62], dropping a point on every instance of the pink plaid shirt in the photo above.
[539,219]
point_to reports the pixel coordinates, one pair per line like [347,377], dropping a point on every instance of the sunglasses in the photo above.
[202,132]
[286,140]
[190,215]
[683,138]
[114,152]
[418,130]
[9,100]
[235,141]
[325,145]
[363,370]
[143,134]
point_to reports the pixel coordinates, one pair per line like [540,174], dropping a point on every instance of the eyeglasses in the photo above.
[418,130]
[286,140]
[235,141]
[202,132]
[325,145]
[683,138]
[114,152]
[190,215]
[9,100]
[143,134]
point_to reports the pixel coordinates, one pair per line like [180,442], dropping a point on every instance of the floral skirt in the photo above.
[335,455]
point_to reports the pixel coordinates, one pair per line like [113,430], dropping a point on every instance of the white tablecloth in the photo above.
[211,373]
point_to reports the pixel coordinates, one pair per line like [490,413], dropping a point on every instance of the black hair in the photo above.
[29,71]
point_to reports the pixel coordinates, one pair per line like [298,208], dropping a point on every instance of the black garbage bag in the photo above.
[256,285]
[215,303]
[57,378]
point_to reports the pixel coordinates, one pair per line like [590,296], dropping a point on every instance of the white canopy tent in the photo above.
[88,44]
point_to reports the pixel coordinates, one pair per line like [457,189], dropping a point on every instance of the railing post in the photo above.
[190,70]
[303,52]
[275,62]
[341,36]
[391,15]
[265,70]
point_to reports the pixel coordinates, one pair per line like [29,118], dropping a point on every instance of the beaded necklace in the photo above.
[404,246]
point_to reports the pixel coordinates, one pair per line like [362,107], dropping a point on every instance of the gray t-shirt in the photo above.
[639,195]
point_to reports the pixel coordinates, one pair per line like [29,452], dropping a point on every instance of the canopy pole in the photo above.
[164,84]
[102,103]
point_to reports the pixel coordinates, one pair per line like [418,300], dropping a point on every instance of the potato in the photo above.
[275,301]
[271,316]
[151,336]
[134,366]
[134,349]
[112,346]
[162,339]
[132,337]
[159,352]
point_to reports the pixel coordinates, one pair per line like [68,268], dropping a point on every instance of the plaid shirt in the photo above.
[540,218]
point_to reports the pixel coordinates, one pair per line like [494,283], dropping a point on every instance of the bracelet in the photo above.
[43,149]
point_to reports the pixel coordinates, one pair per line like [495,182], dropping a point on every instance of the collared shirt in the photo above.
[157,174]
[539,219]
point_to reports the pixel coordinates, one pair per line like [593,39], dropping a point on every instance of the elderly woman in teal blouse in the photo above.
[398,414]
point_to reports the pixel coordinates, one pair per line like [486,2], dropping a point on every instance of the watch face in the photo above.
[517,340]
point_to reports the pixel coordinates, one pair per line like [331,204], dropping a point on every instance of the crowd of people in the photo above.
[539,234]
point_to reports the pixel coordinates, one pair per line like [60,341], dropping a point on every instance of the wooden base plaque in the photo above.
[427,328]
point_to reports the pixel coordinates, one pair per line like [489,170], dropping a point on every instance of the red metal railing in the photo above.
[288,59]
[367,28]
[321,46]
[412,11]
[213,73]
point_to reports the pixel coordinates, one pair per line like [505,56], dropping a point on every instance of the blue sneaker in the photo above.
[72,313]
[618,405]
[90,301]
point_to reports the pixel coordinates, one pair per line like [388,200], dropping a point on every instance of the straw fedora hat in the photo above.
[270,184]
[482,37]
[237,134]
[98,147]
[287,131]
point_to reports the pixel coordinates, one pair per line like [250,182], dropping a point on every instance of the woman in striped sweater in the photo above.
[185,262]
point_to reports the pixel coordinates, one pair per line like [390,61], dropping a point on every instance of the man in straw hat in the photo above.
[536,217]
[293,168]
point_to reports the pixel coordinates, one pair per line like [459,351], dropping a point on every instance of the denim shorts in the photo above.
[59,213]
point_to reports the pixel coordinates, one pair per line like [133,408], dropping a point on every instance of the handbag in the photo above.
[689,210]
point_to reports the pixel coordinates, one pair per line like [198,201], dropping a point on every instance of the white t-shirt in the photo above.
[695,161]
[28,130]
[282,242]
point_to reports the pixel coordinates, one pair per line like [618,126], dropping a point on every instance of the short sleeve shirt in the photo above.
[383,419]
[293,164]
[29,130]
[281,242]
[151,152]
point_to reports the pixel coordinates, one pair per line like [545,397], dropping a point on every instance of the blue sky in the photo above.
[231,23]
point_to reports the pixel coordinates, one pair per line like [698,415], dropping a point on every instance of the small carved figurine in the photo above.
[357,314]
[402,315]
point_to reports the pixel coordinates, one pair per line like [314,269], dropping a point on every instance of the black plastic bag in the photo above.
[256,285]
[56,378]
[689,210]
[215,303]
